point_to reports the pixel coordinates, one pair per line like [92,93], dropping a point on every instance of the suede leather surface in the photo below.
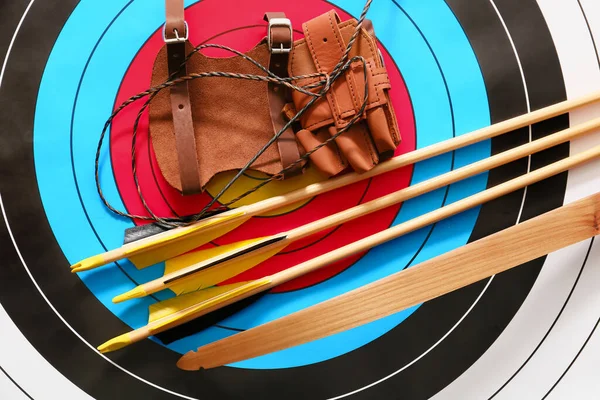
[231,117]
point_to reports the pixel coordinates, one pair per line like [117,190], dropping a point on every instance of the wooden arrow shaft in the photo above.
[488,256]
[422,154]
[443,180]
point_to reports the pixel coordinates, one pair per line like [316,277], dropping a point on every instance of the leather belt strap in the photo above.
[175,36]
[280,44]
[327,46]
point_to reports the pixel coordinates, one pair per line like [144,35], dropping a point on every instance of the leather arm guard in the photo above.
[203,127]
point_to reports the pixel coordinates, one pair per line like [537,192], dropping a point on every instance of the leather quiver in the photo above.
[375,136]
[205,126]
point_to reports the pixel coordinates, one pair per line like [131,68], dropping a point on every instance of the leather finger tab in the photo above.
[327,159]
[380,132]
[356,145]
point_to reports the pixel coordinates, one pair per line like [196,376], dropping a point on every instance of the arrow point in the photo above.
[135,293]
[115,344]
[88,263]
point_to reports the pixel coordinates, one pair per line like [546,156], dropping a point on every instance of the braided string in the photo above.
[325,82]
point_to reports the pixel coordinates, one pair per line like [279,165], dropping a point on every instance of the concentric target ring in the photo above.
[284,379]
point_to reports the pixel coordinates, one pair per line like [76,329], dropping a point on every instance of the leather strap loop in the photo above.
[181,108]
[175,21]
[280,32]
[280,37]
[327,47]
[182,122]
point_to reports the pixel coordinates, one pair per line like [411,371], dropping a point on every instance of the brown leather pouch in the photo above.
[376,135]
[209,125]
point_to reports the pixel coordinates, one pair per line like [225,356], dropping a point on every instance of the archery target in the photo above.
[455,66]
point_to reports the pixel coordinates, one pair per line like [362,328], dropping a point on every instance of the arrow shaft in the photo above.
[224,261]
[364,244]
[414,224]
[443,180]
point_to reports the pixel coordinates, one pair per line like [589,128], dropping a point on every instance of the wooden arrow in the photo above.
[180,240]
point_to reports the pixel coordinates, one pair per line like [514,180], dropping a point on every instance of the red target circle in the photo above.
[240,26]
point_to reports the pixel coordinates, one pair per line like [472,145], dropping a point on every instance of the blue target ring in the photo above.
[448,96]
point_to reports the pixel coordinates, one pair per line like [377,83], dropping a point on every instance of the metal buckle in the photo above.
[176,38]
[286,23]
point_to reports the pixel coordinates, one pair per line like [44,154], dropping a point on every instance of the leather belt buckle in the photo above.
[282,22]
[177,38]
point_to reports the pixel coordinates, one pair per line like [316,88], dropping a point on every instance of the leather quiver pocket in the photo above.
[375,136]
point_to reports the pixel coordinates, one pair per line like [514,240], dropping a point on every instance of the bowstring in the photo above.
[325,82]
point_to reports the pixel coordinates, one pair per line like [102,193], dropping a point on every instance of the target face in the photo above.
[454,65]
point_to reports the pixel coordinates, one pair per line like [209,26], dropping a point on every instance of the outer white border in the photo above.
[8,390]
[20,359]
[28,368]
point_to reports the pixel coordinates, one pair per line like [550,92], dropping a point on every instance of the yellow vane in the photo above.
[178,310]
[157,248]
[273,189]
[165,308]
[205,268]
[175,318]
[219,272]
[185,241]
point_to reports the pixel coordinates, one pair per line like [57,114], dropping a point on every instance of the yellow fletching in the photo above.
[220,272]
[167,307]
[273,189]
[194,236]
[195,310]
[183,261]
